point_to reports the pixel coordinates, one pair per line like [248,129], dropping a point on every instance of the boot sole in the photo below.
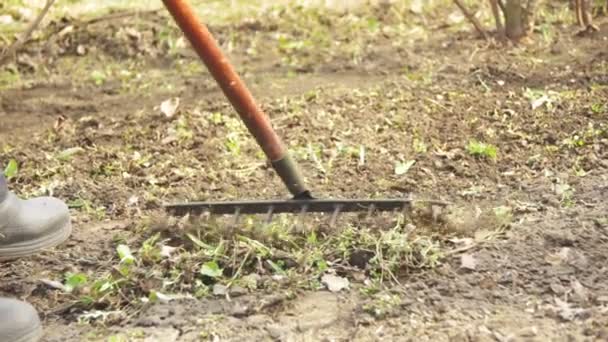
[34,335]
[34,246]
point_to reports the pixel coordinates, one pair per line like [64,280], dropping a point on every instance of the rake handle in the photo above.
[240,97]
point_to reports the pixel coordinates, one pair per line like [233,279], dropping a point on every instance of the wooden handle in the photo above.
[240,97]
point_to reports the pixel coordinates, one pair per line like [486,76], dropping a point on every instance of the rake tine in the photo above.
[370,211]
[334,216]
[269,214]
[405,209]
[303,212]
[203,217]
[237,214]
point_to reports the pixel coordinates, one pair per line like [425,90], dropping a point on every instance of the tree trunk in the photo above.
[519,19]
[514,27]
[529,16]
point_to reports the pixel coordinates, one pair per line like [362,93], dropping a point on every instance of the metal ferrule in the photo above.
[288,170]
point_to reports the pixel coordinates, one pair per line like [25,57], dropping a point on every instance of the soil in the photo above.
[545,277]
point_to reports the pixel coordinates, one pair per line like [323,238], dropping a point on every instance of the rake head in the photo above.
[298,206]
[259,126]
[290,206]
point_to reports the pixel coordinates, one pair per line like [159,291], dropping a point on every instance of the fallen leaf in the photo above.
[463,242]
[166,298]
[564,253]
[566,311]
[334,283]
[166,251]
[455,17]
[169,107]
[6,19]
[468,262]
[53,284]
[557,288]
[11,169]
[416,6]
[133,200]
[403,167]
[211,269]
[580,292]
[125,255]
[540,101]
[561,189]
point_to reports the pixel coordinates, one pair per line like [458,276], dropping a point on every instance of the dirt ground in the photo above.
[83,119]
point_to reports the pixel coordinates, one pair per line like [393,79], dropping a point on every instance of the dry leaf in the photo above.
[334,283]
[566,311]
[417,6]
[580,292]
[167,251]
[540,101]
[468,262]
[169,107]
[53,284]
[463,242]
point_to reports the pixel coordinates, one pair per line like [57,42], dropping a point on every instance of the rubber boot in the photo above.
[29,226]
[19,322]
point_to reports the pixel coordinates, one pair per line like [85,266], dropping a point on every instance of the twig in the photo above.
[496,12]
[460,249]
[26,35]
[471,18]
[118,15]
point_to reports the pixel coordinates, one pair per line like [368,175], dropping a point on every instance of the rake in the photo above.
[258,124]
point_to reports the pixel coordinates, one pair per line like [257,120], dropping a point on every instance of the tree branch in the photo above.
[25,36]
[471,18]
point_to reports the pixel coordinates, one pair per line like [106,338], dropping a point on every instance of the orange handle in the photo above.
[233,87]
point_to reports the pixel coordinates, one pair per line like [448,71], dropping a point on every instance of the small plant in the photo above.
[480,149]
[11,169]
[211,269]
[8,78]
[598,108]
[419,146]
[98,77]
[74,281]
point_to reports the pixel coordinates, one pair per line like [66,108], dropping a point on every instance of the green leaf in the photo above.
[198,242]
[373,24]
[98,77]
[117,338]
[211,269]
[125,255]
[11,169]
[105,286]
[322,265]
[402,168]
[74,281]
[597,108]
[277,269]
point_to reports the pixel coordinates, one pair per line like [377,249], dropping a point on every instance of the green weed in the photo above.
[481,149]
[11,169]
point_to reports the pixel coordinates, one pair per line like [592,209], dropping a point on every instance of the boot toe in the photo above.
[33,225]
[49,214]
[19,321]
